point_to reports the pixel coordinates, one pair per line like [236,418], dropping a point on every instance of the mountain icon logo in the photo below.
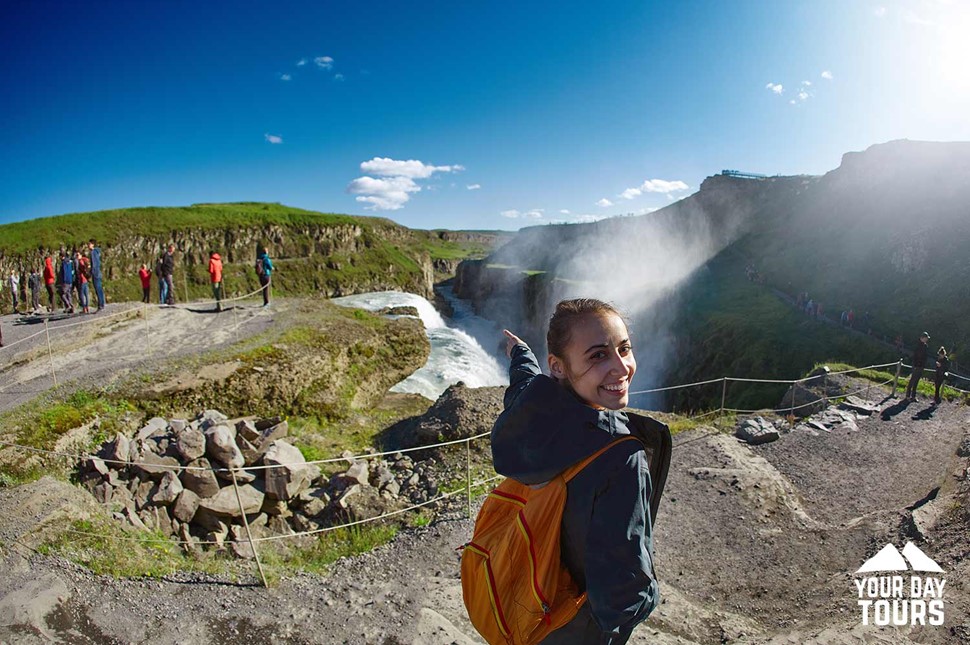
[890,559]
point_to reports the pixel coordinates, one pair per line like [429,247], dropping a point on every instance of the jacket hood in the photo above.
[48,262]
[547,429]
[215,256]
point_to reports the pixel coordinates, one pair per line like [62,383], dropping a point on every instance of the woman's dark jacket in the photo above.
[607,526]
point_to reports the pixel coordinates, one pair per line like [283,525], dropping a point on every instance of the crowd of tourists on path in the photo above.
[76,274]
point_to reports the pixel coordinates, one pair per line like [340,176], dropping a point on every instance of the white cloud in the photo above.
[565,211]
[663,186]
[323,62]
[793,101]
[338,77]
[395,181]
[827,75]
[802,95]
[535,213]
[301,62]
[385,194]
[285,77]
[630,193]
[273,138]
[879,12]
[807,83]
[777,88]
[603,203]
[387,167]
[473,186]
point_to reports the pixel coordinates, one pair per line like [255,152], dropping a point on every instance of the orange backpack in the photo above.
[515,587]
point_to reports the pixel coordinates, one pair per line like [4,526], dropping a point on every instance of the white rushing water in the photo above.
[455,353]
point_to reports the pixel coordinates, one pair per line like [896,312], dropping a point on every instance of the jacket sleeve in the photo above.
[522,370]
[620,580]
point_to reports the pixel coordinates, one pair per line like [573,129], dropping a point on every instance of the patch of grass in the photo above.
[113,550]
[421,518]
[40,426]
[330,547]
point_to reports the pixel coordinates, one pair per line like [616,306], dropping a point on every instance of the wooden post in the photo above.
[50,352]
[899,366]
[249,534]
[723,396]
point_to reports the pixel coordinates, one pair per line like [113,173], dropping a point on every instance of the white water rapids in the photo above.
[456,355]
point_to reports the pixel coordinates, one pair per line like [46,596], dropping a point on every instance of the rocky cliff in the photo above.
[885,233]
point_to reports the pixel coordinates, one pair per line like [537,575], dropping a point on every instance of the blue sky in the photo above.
[457,115]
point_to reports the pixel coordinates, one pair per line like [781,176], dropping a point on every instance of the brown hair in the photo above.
[567,312]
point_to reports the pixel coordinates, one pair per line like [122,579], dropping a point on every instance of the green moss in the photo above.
[40,426]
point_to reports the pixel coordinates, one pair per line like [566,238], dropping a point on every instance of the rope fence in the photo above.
[468,486]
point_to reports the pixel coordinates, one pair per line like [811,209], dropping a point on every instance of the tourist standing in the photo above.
[215,274]
[146,282]
[264,269]
[83,268]
[50,277]
[96,272]
[919,362]
[14,283]
[33,283]
[168,270]
[942,365]
[65,282]
[551,423]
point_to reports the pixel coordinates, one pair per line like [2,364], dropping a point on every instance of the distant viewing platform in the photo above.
[743,175]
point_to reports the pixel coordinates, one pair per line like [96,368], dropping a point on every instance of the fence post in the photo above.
[252,545]
[50,352]
[899,366]
[468,477]
[148,331]
[185,284]
[791,412]
[235,321]
[825,387]
[723,395]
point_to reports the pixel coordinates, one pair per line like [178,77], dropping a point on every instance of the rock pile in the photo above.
[176,477]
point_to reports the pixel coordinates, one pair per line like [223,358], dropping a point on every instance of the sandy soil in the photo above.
[754,544]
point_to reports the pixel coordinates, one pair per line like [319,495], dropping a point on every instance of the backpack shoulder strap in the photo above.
[574,470]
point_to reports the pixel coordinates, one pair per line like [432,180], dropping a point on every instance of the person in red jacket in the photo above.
[215,274]
[49,280]
[146,282]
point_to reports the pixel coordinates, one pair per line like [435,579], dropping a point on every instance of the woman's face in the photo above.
[599,363]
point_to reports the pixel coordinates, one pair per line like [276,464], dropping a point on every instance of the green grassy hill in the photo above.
[319,253]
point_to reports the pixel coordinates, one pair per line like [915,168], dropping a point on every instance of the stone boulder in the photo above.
[225,504]
[289,474]
[200,479]
[220,446]
[757,430]
[191,444]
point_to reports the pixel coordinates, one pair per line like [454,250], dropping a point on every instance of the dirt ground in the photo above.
[100,348]
[753,545]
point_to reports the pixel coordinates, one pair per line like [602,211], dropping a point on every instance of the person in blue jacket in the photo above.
[264,271]
[96,275]
[65,282]
[552,422]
